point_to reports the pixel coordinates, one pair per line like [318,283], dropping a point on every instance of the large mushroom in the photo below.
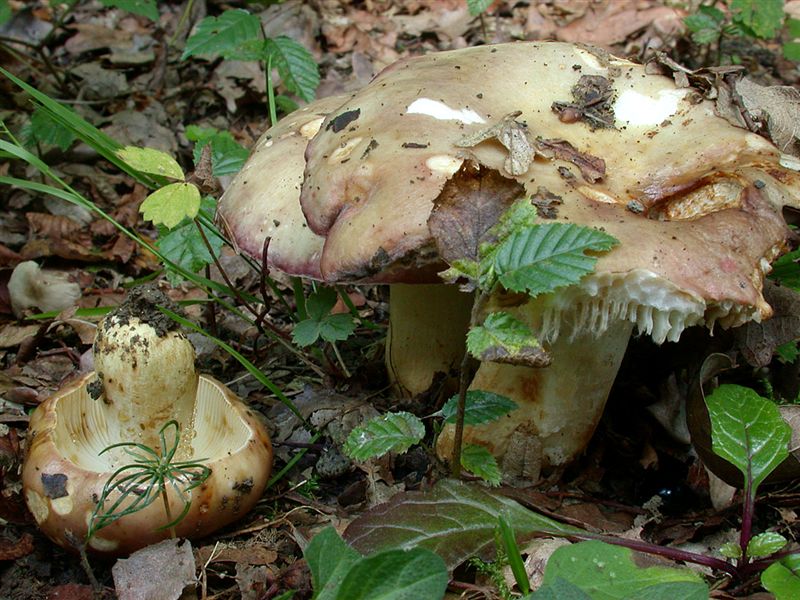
[263,203]
[594,140]
[144,377]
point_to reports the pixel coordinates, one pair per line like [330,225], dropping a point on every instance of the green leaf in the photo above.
[5,12]
[519,217]
[45,130]
[793,27]
[731,550]
[791,51]
[505,339]
[476,7]
[481,407]
[151,161]
[763,17]
[747,431]
[171,204]
[782,578]
[145,8]
[509,540]
[296,66]
[454,519]
[222,35]
[329,559]
[786,270]
[184,246]
[479,461]
[543,258]
[705,25]
[396,575]
[787,353]
[392,432]
[765,544]
[322,324]
[558,589]
[608,572]
[227,155]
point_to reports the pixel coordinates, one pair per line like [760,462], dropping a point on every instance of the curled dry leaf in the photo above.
[778,106]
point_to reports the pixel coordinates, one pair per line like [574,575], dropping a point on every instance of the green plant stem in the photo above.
[167,511]
[339,358]
[748,508]
[181,22]
[293,461]
[273,112]
[463,383]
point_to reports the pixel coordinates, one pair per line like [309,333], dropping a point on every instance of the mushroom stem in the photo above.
[427,334]
[559,405]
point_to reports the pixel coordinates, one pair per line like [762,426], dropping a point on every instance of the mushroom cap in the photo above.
[263,199]
[694,201]
[64,472]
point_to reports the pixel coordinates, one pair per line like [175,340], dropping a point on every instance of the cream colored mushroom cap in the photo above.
[64,473]
[264,198]
[694,201]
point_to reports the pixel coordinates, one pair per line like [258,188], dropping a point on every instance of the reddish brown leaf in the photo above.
[13,550]
[592,168]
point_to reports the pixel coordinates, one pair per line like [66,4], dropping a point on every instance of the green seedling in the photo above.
[148,477]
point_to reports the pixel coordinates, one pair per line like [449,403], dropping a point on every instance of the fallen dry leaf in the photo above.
[162,571]
[778,106]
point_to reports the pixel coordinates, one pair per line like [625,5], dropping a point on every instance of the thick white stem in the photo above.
[147,378]
[427,334]
[559,406]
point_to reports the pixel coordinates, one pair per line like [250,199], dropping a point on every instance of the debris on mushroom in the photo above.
[694,202]
[145,377]
[31,287]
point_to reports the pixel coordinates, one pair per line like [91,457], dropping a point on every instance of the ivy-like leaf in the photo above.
[151,161]
[479,461]
[541,259]
[329,559]
[296,66]
[171,204]
[184,245]
[765,544]
[504,339]
[145,8]
[223,35]
[481,407]
[782,578]
[320,323]
[606,571]
[392,432]
[747,431]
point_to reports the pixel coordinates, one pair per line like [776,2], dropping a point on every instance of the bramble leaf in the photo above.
[391,432]
[296,66]
[479,461]
[764,18]
[504,339]
[541,259]
[171,204]
[222,35]
[481,407]
[320,323]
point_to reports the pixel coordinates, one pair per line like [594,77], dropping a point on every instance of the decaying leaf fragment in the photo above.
[778,106]
[514,136]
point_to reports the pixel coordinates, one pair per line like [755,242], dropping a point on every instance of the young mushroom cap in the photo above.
[595,140]
[66,468]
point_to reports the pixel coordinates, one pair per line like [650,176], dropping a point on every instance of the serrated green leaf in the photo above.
[171,204]
[702,22]
[296,66]
[481,407]
[782,578]
[46,130]
[151,161]
[787,353]
[222,35]
[338,327]
[765,544]
[705,36]
[503,338]
[477,7]
[608,572]
[763,17]
[396,575]
[184,246]
[320,303]
[329,559]
[731,550]
[747,431]
[392,432]
[479,461]
[306,332]
[145,8]
[454,519]
[322,324]
[541,259]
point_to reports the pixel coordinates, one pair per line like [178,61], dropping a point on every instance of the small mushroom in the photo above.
[144,377]
[30,287]
[694,202]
